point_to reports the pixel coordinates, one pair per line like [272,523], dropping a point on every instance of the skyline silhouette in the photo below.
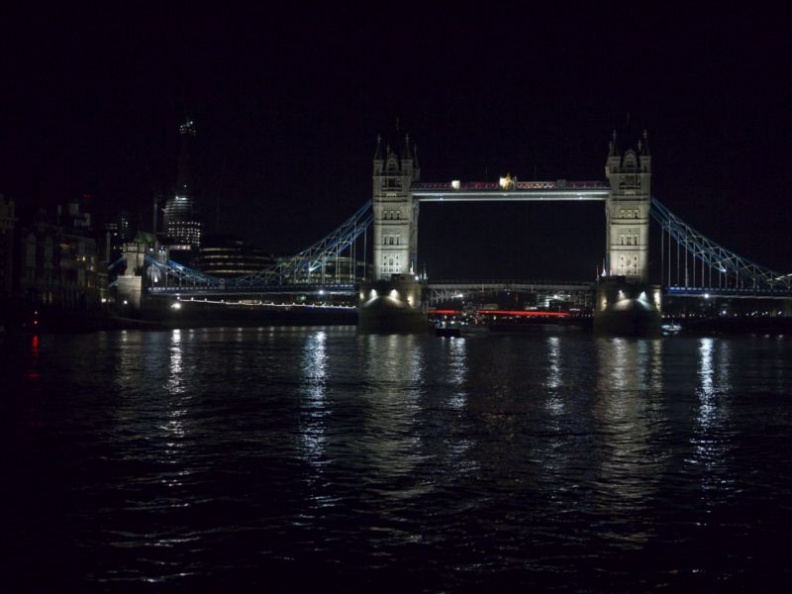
[288,106]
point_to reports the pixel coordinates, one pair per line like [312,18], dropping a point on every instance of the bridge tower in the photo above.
[627,212]
[626,303]
[395,211]
[392,302]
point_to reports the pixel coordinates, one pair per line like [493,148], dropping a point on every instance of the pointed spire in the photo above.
[613,150]
[643,144]
[406,149]
[378,150]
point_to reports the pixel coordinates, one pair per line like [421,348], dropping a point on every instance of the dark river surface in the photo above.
[319,459]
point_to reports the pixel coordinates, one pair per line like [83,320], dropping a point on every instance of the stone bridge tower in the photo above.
[392,301]
[627,212]
[395,211]
[626,303]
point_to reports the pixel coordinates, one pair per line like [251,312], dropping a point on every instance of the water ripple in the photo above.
[287,458]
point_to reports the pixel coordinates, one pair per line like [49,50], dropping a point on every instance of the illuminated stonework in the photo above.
[627,212]
[395,211]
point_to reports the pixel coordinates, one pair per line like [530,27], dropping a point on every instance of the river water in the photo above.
[319,459]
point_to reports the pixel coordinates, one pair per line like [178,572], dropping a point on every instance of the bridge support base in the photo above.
[627,309]
[392,305]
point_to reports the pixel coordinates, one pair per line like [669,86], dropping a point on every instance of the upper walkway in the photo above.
[510,190]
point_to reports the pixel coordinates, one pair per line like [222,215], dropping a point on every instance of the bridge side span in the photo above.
[733,271]
[300,267]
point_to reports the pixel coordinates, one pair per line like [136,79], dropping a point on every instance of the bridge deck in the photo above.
[510,190]
[510,196]
[515,285]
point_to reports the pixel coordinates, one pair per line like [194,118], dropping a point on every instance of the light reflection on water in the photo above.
[393,379]
[265,456]
[315,410]
[711,439]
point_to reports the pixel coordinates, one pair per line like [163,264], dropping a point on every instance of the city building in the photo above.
[74,215]
[59,263]
[182,225]
[7,226]
[119,230]
[227,256]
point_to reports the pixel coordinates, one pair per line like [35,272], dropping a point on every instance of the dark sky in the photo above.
[288,105]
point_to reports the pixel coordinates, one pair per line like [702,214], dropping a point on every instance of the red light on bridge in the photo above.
[524,314]
[504,312]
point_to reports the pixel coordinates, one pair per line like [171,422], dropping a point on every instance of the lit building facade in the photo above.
[227,257]
[182,225]
[119,230]
[627,212]
[625,301]
[7,225]
[59,267]
[395,210]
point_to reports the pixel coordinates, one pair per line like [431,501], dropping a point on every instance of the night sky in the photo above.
[288,106]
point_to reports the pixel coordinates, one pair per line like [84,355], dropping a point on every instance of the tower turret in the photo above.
[626,303]
[627,211]
[392,299]
[395,211]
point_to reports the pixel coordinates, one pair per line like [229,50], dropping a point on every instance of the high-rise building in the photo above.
[59,262]
[182,225]
[119,229]
[7,226]
[227,256]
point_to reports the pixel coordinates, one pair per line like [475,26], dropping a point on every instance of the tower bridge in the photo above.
[387,285]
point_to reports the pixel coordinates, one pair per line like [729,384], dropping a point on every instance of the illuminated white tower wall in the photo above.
[395,211]
[627,212]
